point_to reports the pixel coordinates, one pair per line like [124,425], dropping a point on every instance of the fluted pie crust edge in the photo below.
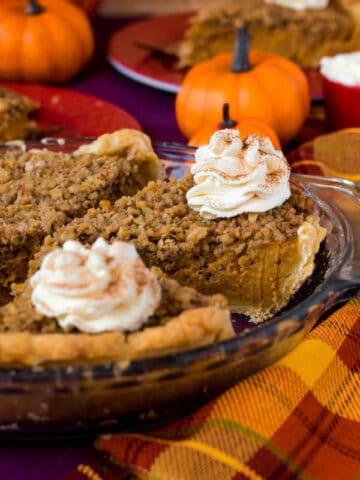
[192,328]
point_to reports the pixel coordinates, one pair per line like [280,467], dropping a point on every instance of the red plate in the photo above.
[79,114]
[156,70]
[141,65]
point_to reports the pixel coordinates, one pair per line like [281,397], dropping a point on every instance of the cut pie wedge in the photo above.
[304,36]
[15,116]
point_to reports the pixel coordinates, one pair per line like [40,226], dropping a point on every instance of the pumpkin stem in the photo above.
[240,61]
[34,8]
[227,121]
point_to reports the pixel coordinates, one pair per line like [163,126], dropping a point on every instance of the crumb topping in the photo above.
[41,190]
[159,215]
[14,115]
[60,186]
[170,235]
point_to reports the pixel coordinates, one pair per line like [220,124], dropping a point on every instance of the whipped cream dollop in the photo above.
[233,176]
[104,288]
[343,68]
[301,4]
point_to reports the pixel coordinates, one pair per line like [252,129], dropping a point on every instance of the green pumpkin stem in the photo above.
[227,121]
[240,61]
[34,8]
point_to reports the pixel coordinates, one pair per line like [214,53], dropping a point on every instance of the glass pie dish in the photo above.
[132,395]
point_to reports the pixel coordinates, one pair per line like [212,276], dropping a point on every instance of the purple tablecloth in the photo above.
[154,110]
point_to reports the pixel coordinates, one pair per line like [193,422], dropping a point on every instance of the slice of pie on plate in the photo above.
[15,115]
[304,33]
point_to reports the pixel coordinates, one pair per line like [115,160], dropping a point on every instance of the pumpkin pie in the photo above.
[233,225]
[42,190]
[101,303]
[302,35]
[15,115]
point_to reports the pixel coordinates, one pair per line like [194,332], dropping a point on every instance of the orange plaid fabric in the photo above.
[299,418]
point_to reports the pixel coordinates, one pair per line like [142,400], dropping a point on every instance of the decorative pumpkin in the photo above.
[245,125]
[267,87]
[89,6]
[43,41]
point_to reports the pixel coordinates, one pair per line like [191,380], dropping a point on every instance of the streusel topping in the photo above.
[14,111]
[167,233]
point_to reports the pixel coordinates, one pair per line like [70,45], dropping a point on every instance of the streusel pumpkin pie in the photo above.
[102,303]
[302,30]
[234,225]
[43,190]
[15,115]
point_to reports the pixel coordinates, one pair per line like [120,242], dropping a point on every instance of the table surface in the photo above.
[154,110]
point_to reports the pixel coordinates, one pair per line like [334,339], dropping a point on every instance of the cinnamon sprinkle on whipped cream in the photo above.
[233,176]
[104,288]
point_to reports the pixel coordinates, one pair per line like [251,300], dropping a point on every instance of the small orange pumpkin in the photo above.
[43,41]
[245,125]
[268,87]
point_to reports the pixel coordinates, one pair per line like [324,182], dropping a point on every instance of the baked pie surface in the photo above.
[15,111]
[303,36]
[255,260]
[43,190]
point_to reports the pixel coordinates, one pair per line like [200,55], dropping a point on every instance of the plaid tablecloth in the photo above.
[299,418]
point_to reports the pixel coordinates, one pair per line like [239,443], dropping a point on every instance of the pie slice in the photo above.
[183,318]
[304,36]
[15,112]
[43,190]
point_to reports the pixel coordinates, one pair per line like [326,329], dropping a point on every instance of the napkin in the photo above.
[334,154]
[298,418]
